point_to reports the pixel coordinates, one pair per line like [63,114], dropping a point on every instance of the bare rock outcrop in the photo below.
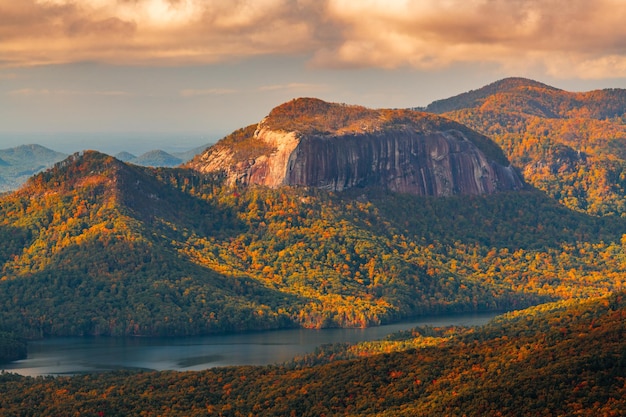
[308,142]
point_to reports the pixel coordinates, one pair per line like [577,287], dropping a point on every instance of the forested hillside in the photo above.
[96,246]
[567,358]
[571,145]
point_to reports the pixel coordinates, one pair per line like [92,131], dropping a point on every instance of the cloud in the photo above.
[560,35]
[149,32]
[569,38]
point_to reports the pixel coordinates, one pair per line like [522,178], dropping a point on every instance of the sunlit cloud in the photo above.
[568,38]
[563,36]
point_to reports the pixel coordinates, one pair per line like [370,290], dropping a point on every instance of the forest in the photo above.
[99,247]
[570,145]
[562,358]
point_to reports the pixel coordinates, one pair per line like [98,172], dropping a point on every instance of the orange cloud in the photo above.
[571,38]
[567,37]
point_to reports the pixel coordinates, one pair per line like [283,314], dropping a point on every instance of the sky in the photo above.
[136,75]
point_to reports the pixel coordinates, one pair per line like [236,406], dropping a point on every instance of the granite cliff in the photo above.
[309,142]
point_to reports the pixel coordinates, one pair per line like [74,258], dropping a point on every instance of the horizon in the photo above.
[111,143]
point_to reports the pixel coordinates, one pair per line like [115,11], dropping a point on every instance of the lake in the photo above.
[72,355]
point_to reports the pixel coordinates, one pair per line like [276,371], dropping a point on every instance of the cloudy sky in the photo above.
[198,69]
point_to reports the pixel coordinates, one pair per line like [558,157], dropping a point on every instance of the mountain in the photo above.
[19,163]
[97,246]
[160,158]
[190,154]
[309,142]
[125,156]
[570,145]
[86,251]
[476,98]
[563,359]
[157,158]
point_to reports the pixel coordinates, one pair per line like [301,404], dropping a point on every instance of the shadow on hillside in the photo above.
[125,287]
[13,241]
[527,219]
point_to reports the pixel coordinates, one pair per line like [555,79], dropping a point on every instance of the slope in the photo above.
[559,359]
[86,253]
[95,246]
[570,145]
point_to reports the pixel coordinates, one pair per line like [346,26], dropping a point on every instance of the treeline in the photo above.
[12,348]
[558,359]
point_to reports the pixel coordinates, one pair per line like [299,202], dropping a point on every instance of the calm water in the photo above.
[94,354]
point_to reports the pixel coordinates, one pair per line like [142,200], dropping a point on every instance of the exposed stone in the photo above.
[404,152]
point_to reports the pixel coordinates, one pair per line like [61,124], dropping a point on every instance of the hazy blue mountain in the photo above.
[20,163]
[188,155]
[125,156]
[157,158]
[160,158]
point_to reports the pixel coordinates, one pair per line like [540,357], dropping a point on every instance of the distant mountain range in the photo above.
[20,163]
[159,158]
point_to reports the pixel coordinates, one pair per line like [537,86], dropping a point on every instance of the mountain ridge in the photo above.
[21,162]
[570,145]
[473,98]
[598,104]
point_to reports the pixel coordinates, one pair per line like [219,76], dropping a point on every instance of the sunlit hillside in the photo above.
[96,246]
[571,145]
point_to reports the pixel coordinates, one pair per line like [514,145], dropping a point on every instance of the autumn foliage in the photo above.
[571,145]
[99,247]
[566,358]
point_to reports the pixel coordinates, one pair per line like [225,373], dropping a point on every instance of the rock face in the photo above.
[308,142]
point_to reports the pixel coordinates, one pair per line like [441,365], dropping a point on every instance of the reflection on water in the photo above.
[74,355]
